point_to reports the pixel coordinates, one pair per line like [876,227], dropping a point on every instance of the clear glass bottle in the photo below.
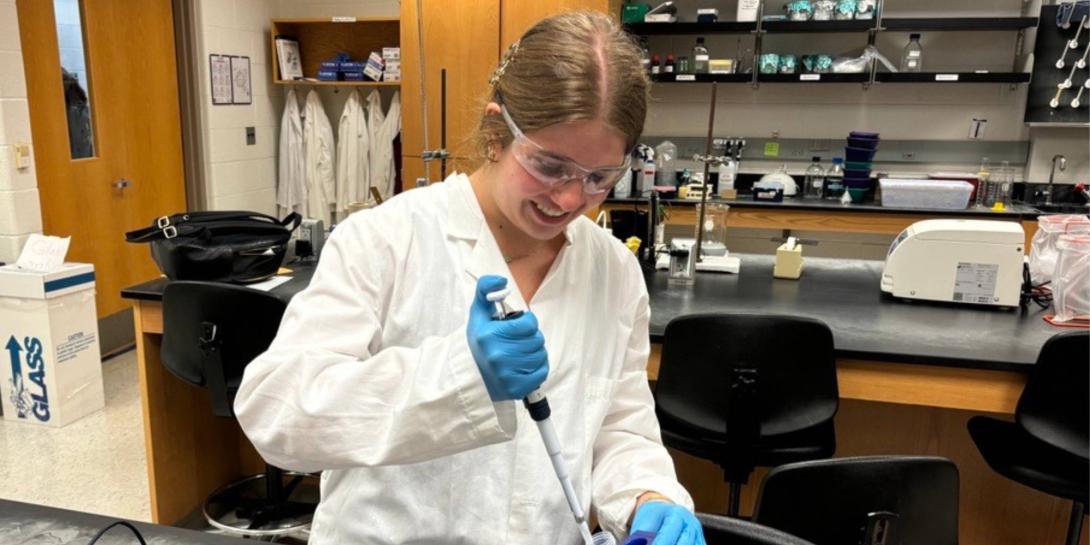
[700,57]
[912,60]
[1004,186]
[982,176]
[814,181]
[834,180]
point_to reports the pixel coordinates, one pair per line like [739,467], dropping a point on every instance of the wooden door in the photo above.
[131,77]
[519,15]
[462,37]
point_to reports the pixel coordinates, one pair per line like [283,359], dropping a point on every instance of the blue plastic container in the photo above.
[865,143]
[640,538]
[858,154]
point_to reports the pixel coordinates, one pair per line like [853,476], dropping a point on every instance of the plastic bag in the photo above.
[1071,282]
[1042,256]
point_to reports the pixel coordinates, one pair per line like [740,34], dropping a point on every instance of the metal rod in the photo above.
[707,180]
[423,93]
[443,123]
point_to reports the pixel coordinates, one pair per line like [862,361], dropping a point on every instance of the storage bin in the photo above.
[936,194]
[858,154]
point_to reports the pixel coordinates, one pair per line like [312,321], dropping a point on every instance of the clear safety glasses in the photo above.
[551,169]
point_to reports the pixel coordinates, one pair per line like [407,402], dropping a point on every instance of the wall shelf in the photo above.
[784,27]
[702,78]
[952,77]
[653,29]
[813,78]
[321,39]
[339,83]
[958,23]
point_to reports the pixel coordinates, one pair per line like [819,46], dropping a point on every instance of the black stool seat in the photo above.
[772,450]
[747,390]
[1021,457]
[1047,447]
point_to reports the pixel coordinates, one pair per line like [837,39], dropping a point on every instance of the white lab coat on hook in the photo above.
[383,128]
[319,160]
[291,189]
[353,151]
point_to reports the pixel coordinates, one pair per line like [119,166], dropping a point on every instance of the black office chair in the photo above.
[1046,447]
[720,530]
[869,500]
[746,391]
[211,331]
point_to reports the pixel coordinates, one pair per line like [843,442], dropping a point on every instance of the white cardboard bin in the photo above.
[50,367]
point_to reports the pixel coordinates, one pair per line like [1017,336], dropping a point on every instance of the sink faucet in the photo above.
[1061,161]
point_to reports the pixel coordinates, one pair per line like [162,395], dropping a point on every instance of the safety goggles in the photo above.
[551,169]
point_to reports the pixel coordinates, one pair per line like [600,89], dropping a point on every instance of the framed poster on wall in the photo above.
[219,71]
[241,86]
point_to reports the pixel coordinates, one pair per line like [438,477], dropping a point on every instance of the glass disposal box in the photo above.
[50,369]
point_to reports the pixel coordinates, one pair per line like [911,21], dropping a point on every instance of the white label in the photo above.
[975,282]
[809,77]
[701,58]
[709,225]
[685,77]
[43,253]
[913,54]
[946,77]
[343,19]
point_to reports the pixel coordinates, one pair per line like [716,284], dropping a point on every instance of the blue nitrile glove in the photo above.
[671,523]
[510,353]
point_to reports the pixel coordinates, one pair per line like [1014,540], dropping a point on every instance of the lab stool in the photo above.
[1047,447]
[747,390]
[211,332]
[866,500]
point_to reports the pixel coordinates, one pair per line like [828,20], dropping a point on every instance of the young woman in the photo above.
[390,375]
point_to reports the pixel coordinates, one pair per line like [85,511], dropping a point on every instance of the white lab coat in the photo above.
[384,128]
[371,379]
[291,189]
[353,150]
[318,164]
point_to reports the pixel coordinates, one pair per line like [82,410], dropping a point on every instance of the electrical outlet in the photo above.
[251,136]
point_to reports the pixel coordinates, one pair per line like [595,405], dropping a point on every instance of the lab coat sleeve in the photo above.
[326,395]
[629,458]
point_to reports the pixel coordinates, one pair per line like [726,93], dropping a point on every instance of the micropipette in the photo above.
[538,406]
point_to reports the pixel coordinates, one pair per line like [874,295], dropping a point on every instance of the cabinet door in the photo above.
[462,37]
[519,15]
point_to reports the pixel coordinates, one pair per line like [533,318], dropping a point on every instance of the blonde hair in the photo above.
[573,66]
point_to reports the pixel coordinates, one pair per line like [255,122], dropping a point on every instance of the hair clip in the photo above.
[507,58]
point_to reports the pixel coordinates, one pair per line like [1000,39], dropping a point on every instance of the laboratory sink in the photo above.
[1062,208]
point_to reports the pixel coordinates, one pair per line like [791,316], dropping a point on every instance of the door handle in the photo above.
[121,184]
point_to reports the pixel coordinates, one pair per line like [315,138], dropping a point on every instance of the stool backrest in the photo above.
[1055,405]
[789,360]
[720,530]
[870,500]
[212,331]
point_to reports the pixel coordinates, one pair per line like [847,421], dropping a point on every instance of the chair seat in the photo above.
[1022,458]
[808,444]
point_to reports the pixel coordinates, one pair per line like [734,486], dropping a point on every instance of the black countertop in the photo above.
[300,277]
[1017,211]
[843,293]
[866,323]
[27,523]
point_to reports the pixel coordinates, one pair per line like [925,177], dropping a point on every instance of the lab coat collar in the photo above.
[466,221]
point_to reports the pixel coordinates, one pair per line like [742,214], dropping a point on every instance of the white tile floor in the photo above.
[96,464]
